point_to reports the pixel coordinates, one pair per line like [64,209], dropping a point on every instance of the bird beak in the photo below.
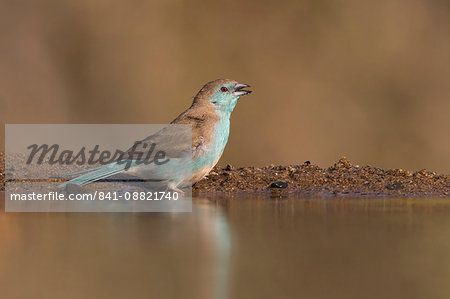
[238,90]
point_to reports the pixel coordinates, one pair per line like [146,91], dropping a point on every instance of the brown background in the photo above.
[366,79]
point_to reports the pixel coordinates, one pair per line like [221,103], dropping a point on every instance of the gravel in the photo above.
[343,178]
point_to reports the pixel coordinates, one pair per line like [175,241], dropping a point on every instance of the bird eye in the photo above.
[223,89]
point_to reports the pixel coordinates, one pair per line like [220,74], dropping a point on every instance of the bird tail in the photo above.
[96,174]
[64,175]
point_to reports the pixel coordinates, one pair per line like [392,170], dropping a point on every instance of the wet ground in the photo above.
[342,178]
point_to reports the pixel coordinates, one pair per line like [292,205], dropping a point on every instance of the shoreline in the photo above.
[341,179]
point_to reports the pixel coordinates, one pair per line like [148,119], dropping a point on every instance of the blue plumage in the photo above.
[209,116]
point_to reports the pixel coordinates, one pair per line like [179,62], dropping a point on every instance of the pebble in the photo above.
[279,185]
[394,186]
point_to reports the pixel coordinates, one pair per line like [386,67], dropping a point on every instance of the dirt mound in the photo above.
[343,178]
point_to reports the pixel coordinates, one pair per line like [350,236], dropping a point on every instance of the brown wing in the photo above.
[174,140]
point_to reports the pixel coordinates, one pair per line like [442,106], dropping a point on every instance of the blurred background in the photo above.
[369,80]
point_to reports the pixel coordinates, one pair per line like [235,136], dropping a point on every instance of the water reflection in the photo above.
[223,246]
[233,247]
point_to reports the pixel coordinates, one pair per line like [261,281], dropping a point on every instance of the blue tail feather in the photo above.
[59,176]
[97,173]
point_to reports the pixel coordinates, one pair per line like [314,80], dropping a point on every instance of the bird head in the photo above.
[222,94]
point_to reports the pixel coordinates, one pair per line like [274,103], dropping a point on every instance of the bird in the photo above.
[209,118]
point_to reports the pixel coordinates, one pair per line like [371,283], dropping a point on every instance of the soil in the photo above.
[343,178]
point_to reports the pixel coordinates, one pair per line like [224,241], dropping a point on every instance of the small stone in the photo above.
[307,162]
[229,167]
[342,163]
[279,185]
[394,186]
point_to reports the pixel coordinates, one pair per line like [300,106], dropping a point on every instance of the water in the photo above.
[240,247]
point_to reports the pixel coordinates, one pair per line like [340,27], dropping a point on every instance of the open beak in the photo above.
[238,90]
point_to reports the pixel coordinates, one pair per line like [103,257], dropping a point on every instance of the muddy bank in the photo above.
[343,178]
